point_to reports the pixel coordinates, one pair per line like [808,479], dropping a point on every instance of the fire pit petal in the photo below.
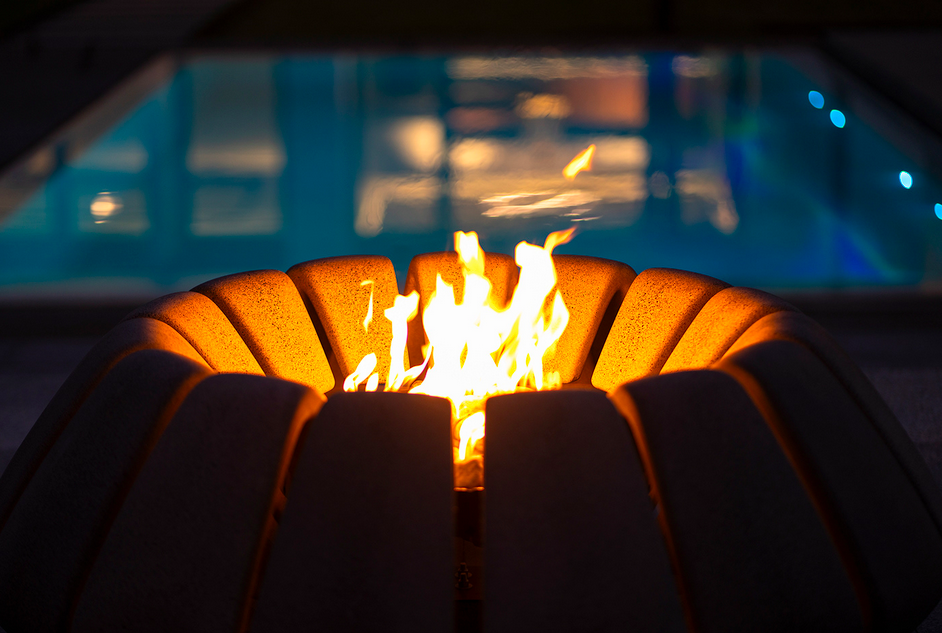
[874,508]
[784,489]
[571,538]
[366,539]
[796,327]
[62,518]
[201,514]
[127,337]
[590,287]
[660,305]
[719,323]
[334,288]
[200,321]
[266,309]
[745,538]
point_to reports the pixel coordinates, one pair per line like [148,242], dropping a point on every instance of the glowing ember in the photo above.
[582,162]
[476,350]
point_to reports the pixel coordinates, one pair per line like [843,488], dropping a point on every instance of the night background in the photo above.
[795,147]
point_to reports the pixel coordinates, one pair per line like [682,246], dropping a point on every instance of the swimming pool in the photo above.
[737,165]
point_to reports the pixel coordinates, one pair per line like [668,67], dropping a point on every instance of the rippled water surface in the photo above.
[728,164]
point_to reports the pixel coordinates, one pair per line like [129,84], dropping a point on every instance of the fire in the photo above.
[476,350]
[582,162]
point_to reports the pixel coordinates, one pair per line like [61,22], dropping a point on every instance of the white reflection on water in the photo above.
[529,204]
[397,204]
[105,205]
[695,67]
[419,141]
[121,213]
[544,68]
[705,195]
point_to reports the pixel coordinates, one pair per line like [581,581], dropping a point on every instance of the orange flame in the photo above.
[475,350]
[582,162]
[369,312]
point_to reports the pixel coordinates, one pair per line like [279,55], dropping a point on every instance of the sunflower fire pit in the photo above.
[306,451]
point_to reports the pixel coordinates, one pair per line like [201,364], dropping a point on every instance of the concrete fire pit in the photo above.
[713,463]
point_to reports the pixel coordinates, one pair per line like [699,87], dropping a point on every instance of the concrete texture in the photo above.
[365,543]
[205,327]
[747,541]
[570,540]
[796,327]
[201,513]
[589,286]
[719,323]
[660,305]
[333,291]
[50,540]
[268,312]
[890,544]
[125,338]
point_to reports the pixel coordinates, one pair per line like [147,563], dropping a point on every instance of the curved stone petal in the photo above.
[749,547]
[50,541]
[200,515]
[266,309]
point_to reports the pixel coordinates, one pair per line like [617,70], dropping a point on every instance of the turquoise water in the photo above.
[723,164]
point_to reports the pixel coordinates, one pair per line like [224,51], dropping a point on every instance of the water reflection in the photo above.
[712,162]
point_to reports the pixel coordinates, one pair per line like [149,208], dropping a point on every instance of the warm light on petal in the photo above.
[582,162]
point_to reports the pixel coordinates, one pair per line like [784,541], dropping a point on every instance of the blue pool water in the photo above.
[737,166]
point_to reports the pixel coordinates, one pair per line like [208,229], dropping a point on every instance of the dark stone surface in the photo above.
[752,552]
[185,550]
[792,326]
[571,540]
[367,535]
[892,546]
[903,363]
[51,538]
[124,339]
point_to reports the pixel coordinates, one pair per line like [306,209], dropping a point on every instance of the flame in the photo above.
[582,162]
[363,371]
[369,312]
[475,348]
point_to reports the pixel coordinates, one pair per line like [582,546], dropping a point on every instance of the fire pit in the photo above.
[711,462]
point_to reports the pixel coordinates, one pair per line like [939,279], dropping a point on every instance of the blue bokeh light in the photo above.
[906,179]
[816,99]
[938,210]
[838,118]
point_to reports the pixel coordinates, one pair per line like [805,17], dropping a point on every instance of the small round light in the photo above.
[838,118]
[938,210]
[906,179]
[816,99]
